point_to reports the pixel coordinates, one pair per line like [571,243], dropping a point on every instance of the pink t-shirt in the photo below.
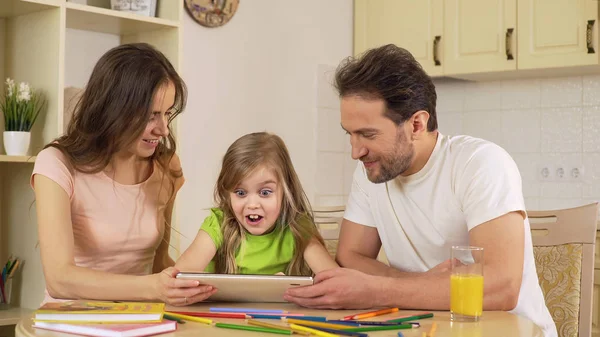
[116,228]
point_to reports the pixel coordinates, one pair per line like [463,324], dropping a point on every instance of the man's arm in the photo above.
[503,242]
[358,248]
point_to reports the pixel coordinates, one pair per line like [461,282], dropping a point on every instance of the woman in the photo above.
[105,190]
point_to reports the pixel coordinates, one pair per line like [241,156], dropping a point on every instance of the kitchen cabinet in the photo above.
[416,25]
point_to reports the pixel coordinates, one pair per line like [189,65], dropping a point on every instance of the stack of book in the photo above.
[104,319]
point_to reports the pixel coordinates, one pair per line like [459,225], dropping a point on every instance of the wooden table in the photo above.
[492,324]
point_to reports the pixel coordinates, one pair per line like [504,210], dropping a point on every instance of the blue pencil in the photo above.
[310,318]
[247,310]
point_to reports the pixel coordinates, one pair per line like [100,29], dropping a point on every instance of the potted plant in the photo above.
[20,107]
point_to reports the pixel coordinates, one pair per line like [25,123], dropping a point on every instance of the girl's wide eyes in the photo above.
[265,193]
[240,193]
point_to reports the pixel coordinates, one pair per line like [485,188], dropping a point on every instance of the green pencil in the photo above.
[252,328]
[410,318]
[379,328]
[172,318]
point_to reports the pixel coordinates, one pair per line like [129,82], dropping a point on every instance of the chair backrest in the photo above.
[563,246]
[329,219]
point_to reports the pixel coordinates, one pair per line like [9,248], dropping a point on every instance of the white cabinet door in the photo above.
[415,25]
[557,33]
[480,36]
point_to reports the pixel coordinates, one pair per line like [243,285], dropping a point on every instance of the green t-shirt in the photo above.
[265,254]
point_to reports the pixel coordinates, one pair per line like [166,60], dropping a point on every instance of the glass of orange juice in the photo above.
[466,284]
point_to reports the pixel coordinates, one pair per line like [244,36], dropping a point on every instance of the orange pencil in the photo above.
[370,314]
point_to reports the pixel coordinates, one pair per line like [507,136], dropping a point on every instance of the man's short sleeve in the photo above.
[358,208]
[489,186]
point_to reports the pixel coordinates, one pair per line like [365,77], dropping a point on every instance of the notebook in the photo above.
[96,311]
[110,330]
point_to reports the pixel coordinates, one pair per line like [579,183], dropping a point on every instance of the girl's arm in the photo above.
[65,280]
[318,258]
[198,255]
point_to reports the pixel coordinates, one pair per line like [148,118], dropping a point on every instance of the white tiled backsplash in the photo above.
[552,122]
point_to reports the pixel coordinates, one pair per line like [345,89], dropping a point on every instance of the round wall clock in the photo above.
[211,13]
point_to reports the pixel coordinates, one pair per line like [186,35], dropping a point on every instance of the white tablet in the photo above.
[248,288]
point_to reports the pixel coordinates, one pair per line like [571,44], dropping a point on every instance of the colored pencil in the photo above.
[342,332]
[270,316]
[380,328]
[248,310]
[400,334]
[317,324]
[173,318]
[252,328]
[211,314]
[310,330]
[190,318]
[362,322]
[410,318]
[432,330]
[267,325]
[310,318]
[371,314]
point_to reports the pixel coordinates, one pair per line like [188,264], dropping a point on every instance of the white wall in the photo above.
[82,50]
[552,122]
[258,72]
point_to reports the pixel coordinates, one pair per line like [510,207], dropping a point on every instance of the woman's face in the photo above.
[156,129]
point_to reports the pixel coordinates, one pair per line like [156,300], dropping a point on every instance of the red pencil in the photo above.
[212,314]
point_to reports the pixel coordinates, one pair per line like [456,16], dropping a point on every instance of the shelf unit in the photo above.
[32,49]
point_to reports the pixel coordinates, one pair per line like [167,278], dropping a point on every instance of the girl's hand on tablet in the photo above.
[179,292]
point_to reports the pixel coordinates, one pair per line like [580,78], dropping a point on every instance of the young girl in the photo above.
[105,189]
[263,223]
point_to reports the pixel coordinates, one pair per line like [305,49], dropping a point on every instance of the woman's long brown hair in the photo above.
[245,155]
[116,105]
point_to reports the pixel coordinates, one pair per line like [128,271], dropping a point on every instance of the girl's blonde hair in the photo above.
[244,156]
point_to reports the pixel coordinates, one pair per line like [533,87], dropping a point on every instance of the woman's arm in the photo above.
[67,281]
[198,255]
[317,257]
[162,260]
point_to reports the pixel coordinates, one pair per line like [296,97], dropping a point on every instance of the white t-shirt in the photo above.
[466,182]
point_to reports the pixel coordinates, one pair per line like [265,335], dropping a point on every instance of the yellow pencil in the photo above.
[432,330]
[317,324]
[424,334]
[190,318]
[267,325]
[312,331]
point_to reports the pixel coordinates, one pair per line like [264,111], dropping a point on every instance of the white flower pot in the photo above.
[16,143]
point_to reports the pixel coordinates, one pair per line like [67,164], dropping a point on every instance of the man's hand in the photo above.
[337,288]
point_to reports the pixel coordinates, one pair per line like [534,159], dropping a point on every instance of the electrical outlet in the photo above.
[575,172]
[546,172]
[560,174]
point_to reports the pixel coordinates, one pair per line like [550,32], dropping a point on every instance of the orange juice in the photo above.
[466,294]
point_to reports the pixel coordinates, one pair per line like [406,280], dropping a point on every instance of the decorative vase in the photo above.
[16,143]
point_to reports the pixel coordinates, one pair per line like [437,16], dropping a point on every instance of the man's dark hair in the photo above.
[392,74]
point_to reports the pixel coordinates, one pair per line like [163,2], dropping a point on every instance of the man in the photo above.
[418,193]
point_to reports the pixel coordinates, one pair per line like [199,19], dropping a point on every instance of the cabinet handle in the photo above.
[589,37]
[508,43]
[436,42]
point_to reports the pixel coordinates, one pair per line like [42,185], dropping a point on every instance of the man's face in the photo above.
[382,146]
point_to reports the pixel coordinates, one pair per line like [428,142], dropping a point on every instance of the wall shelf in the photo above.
[12,316]
[108,21]
[11,8]
[17,159]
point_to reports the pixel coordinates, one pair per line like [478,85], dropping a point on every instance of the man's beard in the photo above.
[393,163]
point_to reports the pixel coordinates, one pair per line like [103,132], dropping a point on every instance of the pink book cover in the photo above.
[110,330]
